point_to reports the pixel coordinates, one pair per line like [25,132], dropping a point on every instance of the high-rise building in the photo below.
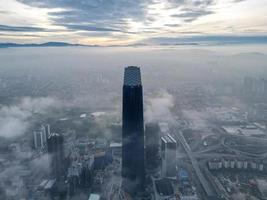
[39,139]
[56,152]
[133,167]
[152,141]
[46,129]
[40,136]
[168,156]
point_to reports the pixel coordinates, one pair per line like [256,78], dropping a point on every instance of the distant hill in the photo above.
[47,44]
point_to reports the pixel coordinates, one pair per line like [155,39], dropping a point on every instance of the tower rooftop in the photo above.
[132,76]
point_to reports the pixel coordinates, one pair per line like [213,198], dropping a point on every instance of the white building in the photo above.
[39,139]
[40,136]
[46,129]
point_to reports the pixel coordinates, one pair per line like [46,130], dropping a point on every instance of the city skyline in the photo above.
[127,22]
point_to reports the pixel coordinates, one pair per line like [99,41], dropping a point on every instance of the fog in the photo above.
[67,82]
[35,79]
[86,74]
[158,108]
[14,119]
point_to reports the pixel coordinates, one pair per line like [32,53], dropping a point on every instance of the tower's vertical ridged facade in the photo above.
[56,150]
[133,169]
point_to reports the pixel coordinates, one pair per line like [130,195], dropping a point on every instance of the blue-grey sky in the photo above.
[108,22]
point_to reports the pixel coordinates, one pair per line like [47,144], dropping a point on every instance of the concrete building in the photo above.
[215,164]
[226,163]
[168,156]
[115,147]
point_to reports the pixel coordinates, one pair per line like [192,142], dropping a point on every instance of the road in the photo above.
[205,184]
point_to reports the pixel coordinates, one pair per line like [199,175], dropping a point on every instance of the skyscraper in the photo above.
[39,139]
[152,142]
[168,155]
[46,129]
[133,169]
[56,151]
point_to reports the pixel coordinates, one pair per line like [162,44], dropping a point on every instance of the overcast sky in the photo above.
[107,22]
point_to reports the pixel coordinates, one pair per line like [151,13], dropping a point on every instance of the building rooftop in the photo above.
[115,145]
[50,184]
[249,131]
[168,139]
[94,197]
[132,76]
[53,135]
[164,187]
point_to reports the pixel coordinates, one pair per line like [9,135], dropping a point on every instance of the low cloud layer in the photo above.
[159,108]
[198,120]
[14,119]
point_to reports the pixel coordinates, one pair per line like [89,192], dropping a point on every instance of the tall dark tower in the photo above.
[56,151]
[133,169]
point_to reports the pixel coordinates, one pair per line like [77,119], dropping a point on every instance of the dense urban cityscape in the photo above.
[195,142]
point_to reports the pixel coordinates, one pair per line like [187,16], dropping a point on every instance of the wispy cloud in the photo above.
[90,28]
[5,28]
[15,120]
[189,15]
[208,40]
[100,14]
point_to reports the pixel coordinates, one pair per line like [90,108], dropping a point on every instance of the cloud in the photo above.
[115,15]
[207,40]
[237,1]
[115,21]
[191,3]
[197,119]
[90,28]
[10,180]
[172,25]
[101,14]
[19,34]
[42,163]
[189,15]
[5,28]
[4,12]
[14,120]
[158,108]
[192,10]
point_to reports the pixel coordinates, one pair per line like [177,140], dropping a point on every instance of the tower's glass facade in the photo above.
[133,170]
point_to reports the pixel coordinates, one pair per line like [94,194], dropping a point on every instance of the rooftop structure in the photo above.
[132,76]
